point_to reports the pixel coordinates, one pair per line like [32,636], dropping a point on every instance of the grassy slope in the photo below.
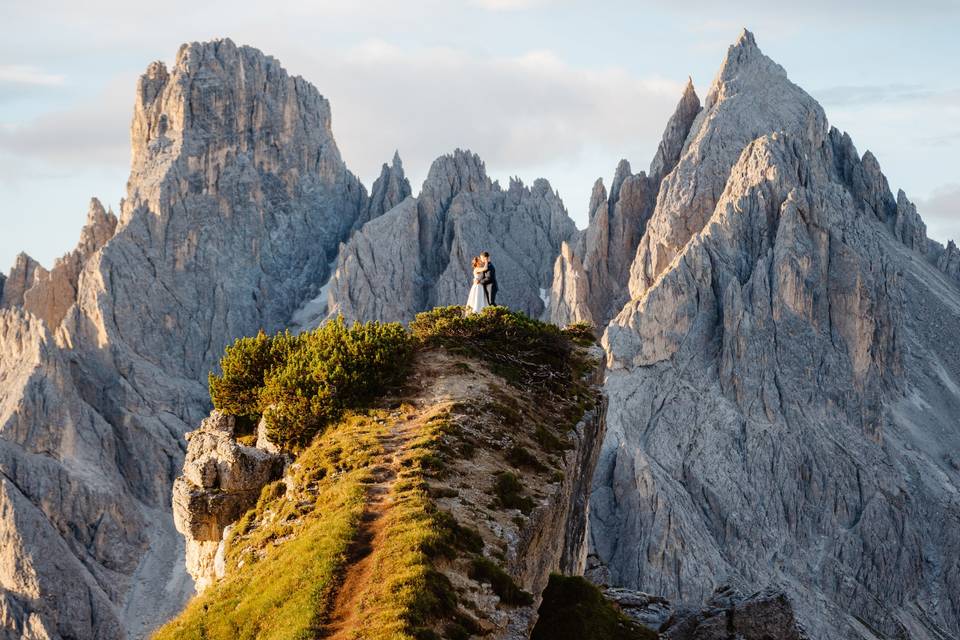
[281,591]
[424,577]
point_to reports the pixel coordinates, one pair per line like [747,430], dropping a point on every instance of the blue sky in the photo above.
[539,88]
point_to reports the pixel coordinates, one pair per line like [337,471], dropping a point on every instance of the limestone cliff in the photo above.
[783,397]
[50,294]
[593,287]
[236,203]
[417,255]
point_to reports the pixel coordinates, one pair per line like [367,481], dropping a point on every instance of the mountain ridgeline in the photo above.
[769,447]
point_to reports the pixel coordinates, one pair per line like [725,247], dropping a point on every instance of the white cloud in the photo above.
[28,75]
[518,113]
[93,131]
[509,5]
[941,212]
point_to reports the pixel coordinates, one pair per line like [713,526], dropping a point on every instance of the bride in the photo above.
[477,299]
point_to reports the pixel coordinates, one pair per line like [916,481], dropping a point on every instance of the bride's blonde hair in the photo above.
[477,262]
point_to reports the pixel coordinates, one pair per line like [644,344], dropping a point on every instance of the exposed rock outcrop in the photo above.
[726,614]
[949,260]
[221,480]
[23,274]
[751,96]
[51,293]
[417,255]
[71,533]
[782,385]
[596,290]
[569,300]
[389,189]
[236,203]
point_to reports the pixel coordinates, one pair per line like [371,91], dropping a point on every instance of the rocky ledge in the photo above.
[221,480]
[726,614]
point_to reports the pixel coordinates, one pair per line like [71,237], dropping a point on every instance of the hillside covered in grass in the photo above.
[433,478]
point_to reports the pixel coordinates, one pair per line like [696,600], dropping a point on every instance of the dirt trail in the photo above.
[359,567]
[431,390]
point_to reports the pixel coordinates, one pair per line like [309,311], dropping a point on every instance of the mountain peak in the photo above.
[745,64]
[745,38]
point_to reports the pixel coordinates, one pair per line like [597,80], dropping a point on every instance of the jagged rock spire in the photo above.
[389,189]
[675,133]
[417,255]
[750,97]
[21,278]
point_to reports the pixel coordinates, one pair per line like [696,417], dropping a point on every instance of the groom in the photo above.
[489,279]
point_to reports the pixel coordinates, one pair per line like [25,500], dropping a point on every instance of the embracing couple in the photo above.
[484,290]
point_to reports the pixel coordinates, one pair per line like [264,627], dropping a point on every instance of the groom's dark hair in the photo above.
[485,254]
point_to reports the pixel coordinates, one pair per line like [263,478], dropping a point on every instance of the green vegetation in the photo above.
[284,592]
[509,492]
[520,457]
[522,350]
[484,570]
[301,383]
[574,609]
[287,558]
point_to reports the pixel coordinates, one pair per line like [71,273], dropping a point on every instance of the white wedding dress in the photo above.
[477,300]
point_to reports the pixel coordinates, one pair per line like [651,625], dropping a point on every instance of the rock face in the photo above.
[50,294]
[726,614]
[949,260]
[389,190]
[783,388]
[236,204]
[71,534]
[221,479]
[22,276]
[594,288]
[417,255]
[750,97]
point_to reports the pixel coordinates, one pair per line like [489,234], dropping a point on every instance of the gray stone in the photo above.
[783,382]
[221,480]
[616,225]
[22,275]
[417,255]
[52,293]
[236,204]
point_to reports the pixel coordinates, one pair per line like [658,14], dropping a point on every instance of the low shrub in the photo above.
[519,456]
[301,383]
[483,570]
[574,609]
[522,350]
[583,333]
[509,492]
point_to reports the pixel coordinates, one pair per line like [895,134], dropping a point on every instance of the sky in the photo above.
[538,88]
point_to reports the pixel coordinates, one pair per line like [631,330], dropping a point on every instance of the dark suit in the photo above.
[489,281]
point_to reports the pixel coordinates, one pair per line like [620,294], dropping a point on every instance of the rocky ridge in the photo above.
[726,613]
[417,255]
[593,287]
[483,414]
[781,344]
[236,203]
[779,404]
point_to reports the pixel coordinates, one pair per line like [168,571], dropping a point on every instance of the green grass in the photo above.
[284,592]
[407,596]
[574,609]
[288,555]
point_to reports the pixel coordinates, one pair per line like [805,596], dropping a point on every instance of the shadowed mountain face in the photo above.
[780,337]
